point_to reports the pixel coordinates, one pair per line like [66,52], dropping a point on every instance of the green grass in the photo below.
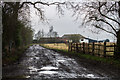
[14,77]
[10,58]
[111,61]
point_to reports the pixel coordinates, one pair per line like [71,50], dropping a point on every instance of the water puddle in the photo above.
[31,47]
[33,69]
[48,72]
[49,68]
[61,60]
[84,68]
[32,54]
[90,76]
[37,58]
[37,52]
[70,59]
[27,76]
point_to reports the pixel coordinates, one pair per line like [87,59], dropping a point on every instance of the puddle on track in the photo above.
[27,76]
[49,68]
[48,72]
[33,69]
[89,76]
[61,60]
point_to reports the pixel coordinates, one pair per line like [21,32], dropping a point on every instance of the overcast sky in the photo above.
[65,24]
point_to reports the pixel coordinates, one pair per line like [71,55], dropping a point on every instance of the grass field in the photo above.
[60,46]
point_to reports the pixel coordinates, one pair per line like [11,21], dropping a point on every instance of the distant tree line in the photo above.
[41,34]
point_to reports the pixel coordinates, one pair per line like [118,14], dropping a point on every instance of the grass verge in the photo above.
[13,57]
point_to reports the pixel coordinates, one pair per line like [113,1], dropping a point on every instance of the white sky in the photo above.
[65,24]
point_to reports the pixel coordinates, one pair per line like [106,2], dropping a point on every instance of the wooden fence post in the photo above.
[83,47]
[77,50]
[71,47]
[99,49]
[93,46]
[88,48]
[80,47]
[104,49]
[74,47]
[114,49]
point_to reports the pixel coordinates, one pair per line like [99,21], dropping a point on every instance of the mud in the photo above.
[40,63]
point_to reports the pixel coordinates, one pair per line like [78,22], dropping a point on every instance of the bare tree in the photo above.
[43,33]
[55,34]
[15,11]
[52,33]
[102,15]
[39,34]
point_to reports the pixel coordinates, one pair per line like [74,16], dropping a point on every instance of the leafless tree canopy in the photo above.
[102,15]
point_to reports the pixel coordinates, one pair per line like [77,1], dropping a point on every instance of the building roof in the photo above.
[70,35]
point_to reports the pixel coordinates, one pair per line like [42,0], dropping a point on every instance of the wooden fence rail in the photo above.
[105,49]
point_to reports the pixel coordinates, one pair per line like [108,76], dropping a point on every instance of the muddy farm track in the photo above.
[40,63]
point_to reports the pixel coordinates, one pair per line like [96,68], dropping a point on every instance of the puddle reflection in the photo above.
[27,76]
[90,76]
[49,68]
[48,72]
[33,69]
[61,60]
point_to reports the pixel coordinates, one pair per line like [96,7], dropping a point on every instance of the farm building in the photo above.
[83,40]
[72,37]
[50,40]
[88,40]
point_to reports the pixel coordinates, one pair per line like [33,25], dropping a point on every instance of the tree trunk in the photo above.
[16,27]
[117,52]
[119,9]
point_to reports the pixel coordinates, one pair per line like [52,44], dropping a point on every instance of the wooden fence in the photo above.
[105,49]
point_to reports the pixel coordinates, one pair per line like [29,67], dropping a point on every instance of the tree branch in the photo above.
[54,3]
[108,24]
[95,18]
[119,9]
[10,4]
[105,30]
[39,11]
[99,9]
